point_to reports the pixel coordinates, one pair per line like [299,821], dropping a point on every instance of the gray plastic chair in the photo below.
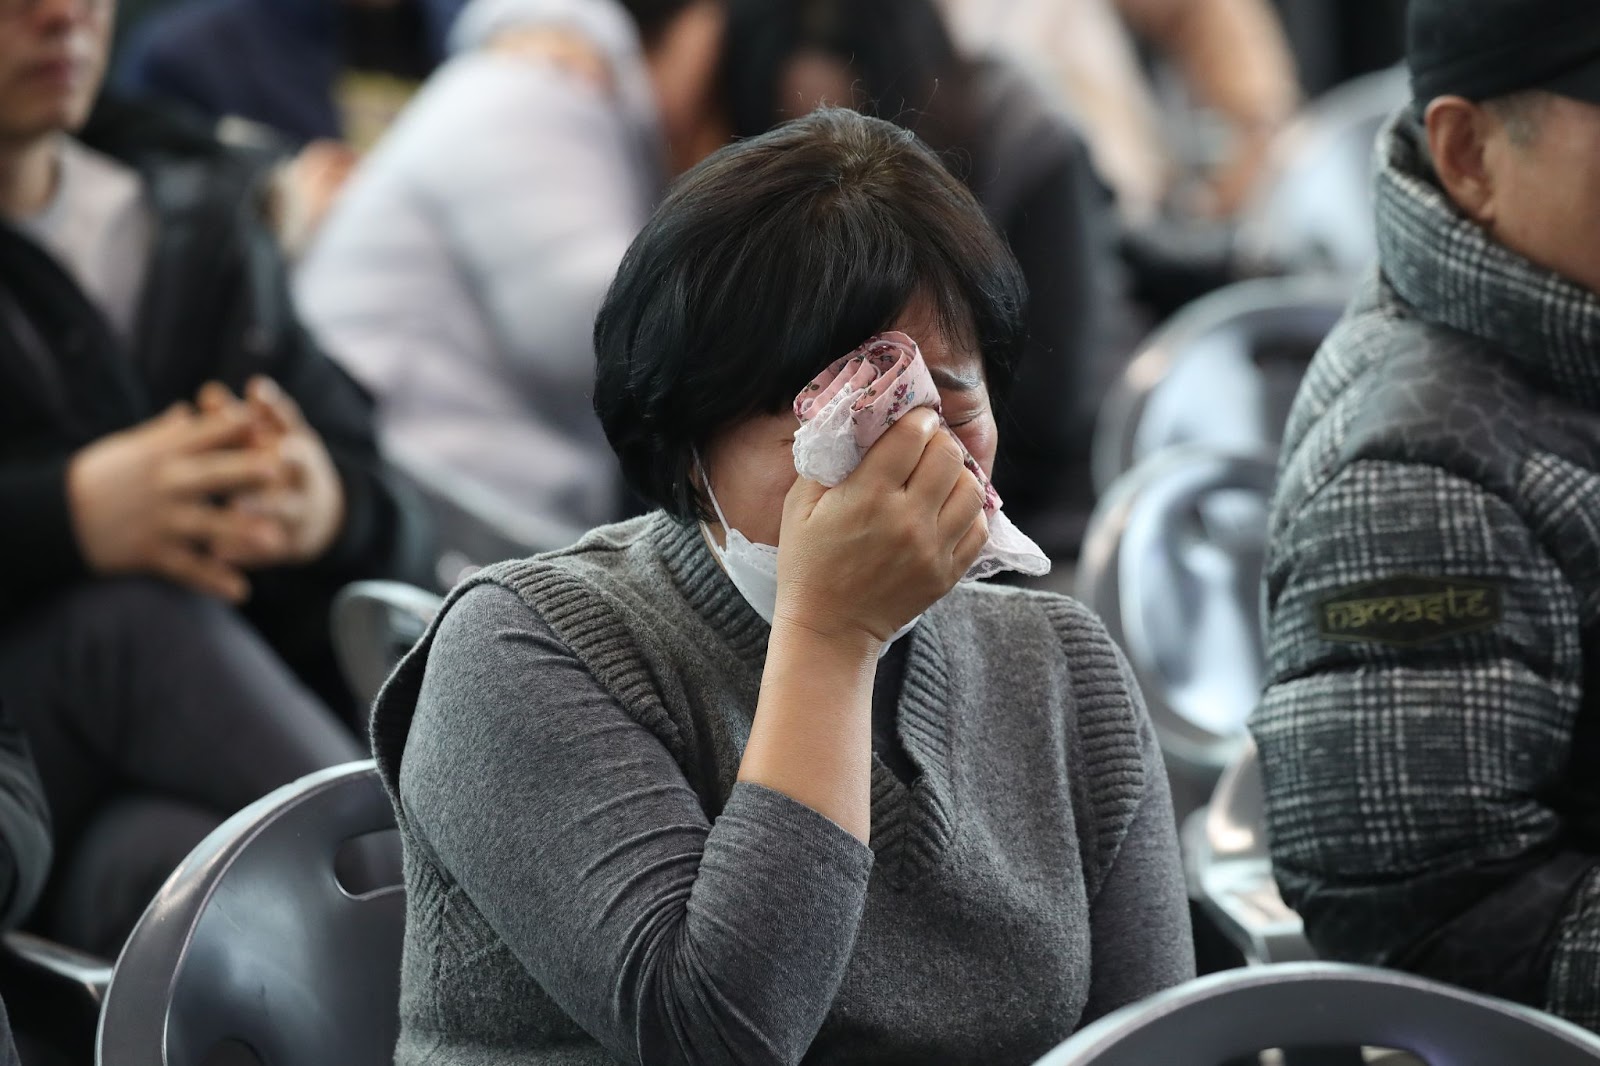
[473,525]
[54,990]
[374,624]
[1315,205]
[1172,562]
[255,941]
[1229,869]
[1222,373]
[1241,1012]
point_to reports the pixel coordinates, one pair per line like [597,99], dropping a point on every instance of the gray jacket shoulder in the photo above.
[1389,387]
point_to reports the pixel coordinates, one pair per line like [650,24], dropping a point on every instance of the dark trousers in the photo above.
[153,713]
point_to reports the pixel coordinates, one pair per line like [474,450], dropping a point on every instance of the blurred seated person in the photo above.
[334,70]
[1430,736]
[458,277]
[1233,54]
[851,811]
[187,481]
[328,76]
[1021,156]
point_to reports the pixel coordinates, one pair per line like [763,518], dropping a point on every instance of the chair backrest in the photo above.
[1236,819]
[254,940]
[1223,373]
[1239,1013]
[473,525]
[1172,562]
[1229,868]
[374,624]
[1315,207]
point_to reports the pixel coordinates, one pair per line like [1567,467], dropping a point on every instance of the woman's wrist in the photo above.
[822,637]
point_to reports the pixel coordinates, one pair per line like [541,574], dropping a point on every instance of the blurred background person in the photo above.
[336,70]
[1232,55]
[1019,152]
[325,77]
[187,481]
[459,276]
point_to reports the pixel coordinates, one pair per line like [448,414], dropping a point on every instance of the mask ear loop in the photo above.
[705,479]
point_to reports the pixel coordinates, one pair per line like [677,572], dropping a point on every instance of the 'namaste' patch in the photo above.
[1408,610]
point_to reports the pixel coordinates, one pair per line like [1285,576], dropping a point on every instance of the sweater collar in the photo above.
[1454,274]
[708,590]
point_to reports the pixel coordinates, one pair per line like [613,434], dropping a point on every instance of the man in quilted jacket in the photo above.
[1430,733]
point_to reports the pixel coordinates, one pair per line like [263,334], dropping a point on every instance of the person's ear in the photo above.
[1459,138]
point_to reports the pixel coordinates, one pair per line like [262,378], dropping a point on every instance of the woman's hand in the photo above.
[859,561]
[855,564]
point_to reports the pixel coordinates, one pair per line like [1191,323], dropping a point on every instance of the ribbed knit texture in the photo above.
[986,933]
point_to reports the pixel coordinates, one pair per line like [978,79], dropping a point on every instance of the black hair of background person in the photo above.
[654,16]
[725,309]
[901,55]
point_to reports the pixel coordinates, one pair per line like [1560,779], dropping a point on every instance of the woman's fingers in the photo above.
[938,472]
[268,399]
[220,473]
[195,569]
[889,463]
[972,542]
[963,507]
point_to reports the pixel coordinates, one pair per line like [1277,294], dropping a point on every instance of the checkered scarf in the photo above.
[1452,273]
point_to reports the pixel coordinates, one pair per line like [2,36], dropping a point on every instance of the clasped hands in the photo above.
[207,492]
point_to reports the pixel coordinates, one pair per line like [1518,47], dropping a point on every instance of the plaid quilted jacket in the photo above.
[1430,733]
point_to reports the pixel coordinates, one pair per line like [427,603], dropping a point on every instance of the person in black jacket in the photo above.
[1430,730]
[1029,168]
[185,480]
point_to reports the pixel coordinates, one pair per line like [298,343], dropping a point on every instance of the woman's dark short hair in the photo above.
[773,258]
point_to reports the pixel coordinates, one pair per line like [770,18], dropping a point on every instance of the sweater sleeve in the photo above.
[1414,786]
[1140,937]
[670,937]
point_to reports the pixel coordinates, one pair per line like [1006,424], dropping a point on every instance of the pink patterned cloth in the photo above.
[849,406]
[888,378]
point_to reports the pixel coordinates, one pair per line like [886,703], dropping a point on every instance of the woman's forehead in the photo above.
[950,355]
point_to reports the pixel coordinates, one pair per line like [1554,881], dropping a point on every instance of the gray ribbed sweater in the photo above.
[587,883]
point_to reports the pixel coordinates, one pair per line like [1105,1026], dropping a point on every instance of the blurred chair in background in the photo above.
[1222,373]
[1224,1018]
[1172,565]
[374,624]
[277,942]
[1002,133]
[1229,868]
[458,277]
[1313,210]
[47,1003]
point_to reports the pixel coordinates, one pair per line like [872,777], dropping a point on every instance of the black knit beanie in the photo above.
[1482,49]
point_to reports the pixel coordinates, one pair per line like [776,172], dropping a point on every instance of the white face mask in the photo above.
[753,568]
